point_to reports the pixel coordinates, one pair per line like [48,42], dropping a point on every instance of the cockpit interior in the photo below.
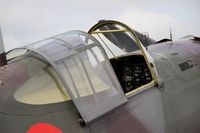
[131,71]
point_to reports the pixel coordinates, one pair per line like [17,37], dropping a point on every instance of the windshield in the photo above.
[117,41]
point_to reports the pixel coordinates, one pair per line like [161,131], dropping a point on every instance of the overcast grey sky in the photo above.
[26,21]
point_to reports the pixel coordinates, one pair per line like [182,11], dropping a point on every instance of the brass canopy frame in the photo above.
[138,43]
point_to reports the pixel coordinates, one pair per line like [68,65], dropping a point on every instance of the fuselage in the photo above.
[171,108]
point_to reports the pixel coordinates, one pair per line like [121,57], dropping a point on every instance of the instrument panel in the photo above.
[132,71]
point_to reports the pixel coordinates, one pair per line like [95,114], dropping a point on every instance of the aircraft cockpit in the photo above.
[97,70]
[128,56]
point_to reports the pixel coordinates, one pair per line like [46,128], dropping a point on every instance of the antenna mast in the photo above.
[170,34]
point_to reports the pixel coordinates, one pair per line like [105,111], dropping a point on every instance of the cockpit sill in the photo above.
[141,89]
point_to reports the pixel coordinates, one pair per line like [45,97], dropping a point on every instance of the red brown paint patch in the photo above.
[42,127]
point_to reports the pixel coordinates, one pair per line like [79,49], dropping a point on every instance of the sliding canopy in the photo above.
[83,67]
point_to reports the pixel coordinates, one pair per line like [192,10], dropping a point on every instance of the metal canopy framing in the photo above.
[83,67]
